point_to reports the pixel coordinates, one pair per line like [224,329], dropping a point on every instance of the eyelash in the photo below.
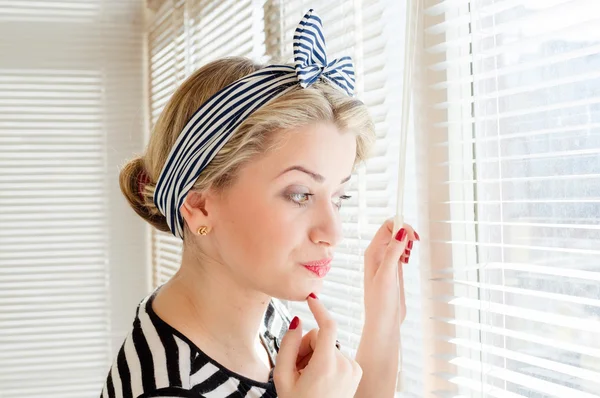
[290,196]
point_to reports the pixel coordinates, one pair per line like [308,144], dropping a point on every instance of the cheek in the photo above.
[275,232]
[262,230]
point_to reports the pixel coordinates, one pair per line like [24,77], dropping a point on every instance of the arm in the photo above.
[378,355]
[385,309]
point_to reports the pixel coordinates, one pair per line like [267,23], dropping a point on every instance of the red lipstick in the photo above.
[319,267]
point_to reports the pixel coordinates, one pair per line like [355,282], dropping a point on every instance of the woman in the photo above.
[247,164]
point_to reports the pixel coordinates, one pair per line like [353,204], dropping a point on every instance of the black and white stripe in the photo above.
[214,122]
[156,360]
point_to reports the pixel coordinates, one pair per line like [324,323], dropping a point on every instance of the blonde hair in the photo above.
[298,107]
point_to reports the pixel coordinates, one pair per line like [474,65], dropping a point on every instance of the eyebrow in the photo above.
[315,176]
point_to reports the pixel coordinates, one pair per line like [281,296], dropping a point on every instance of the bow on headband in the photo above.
[214,122]
[310,57]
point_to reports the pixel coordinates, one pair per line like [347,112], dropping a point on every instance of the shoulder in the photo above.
[151,360]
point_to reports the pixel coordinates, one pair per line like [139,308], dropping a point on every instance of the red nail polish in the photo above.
[407,252]
[410,244]
[405,261]
[401,234]
[417,236]
[313,296]
[294,323]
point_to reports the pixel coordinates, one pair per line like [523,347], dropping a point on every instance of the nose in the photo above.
[327,227]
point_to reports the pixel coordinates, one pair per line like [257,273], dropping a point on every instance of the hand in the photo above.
[328,373]
[385,304]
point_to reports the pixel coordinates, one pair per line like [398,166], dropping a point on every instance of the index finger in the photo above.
[384,233]
[326,339]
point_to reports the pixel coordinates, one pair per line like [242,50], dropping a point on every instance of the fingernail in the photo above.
[405,261]
[410,244]
[401,234]
[407,252]
[417,236]
[294,323]
[313,296]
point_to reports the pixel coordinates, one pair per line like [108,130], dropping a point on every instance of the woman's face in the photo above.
[283,212]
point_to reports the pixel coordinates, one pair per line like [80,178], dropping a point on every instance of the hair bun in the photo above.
[135,183]
[142,180]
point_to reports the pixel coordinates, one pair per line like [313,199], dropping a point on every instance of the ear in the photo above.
[194,209]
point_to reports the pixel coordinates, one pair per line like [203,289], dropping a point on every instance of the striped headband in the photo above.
[214,122]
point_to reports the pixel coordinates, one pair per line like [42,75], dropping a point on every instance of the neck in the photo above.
[217,312]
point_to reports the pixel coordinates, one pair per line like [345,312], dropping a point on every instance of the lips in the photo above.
[319,263]
[319,267]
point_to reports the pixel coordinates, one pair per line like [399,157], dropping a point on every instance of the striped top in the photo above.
[156,360]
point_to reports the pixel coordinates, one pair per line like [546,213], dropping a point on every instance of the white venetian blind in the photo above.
[184,36]
[513,126]
[68,92]
[372,33]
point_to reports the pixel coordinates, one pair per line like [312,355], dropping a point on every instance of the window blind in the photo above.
[513,92]
[63,110]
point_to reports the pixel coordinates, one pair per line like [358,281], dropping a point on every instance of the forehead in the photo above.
[321,147]
[314,140]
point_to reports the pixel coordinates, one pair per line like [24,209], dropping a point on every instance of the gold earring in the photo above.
[203,230]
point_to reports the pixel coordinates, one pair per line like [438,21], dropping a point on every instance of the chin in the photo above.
[298,290]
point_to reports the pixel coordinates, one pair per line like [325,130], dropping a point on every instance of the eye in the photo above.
[342,198]
[299,198]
